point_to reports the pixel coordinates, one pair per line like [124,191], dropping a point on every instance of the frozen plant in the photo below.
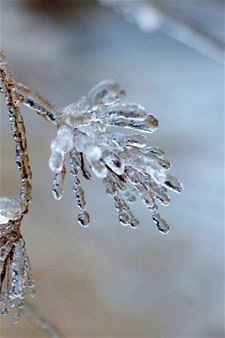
[15,268]
[89,132]
[127,165]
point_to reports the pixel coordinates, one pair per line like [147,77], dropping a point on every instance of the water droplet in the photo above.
[162,225]
[124,218]
[84,219]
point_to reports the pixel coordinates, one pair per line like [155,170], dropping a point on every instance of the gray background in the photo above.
[108,281]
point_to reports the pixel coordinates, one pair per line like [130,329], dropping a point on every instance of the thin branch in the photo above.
[15,94]
[155,15]
[32,313]
[36,102]
[121,161]
[19,135]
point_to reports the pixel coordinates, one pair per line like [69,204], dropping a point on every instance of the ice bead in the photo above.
[84,218]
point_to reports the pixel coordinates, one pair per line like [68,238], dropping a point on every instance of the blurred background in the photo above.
[110,281]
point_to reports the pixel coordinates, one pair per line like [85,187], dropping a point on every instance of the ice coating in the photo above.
[127,165]
[15,270]
[9,209]
[16,274]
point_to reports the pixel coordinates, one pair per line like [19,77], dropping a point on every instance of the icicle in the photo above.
[84,218]
[162,226]
[131,116]
[79,192]
[74,162]
[58,183]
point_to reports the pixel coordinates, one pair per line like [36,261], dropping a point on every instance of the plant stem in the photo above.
[31,312]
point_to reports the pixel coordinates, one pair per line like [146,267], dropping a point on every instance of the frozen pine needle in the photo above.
[126,164]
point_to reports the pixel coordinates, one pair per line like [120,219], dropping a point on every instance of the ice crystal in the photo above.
[127,165]
[15,271]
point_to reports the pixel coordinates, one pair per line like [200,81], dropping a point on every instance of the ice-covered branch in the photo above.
[151,15]
[36,102]
[90,134]
[19,133]
[31,312]
[127,165]
[15,271]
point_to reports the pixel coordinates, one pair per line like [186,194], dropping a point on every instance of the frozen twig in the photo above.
[36,102]
[32,313]
[89,133]
[157,15]
[19,133]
